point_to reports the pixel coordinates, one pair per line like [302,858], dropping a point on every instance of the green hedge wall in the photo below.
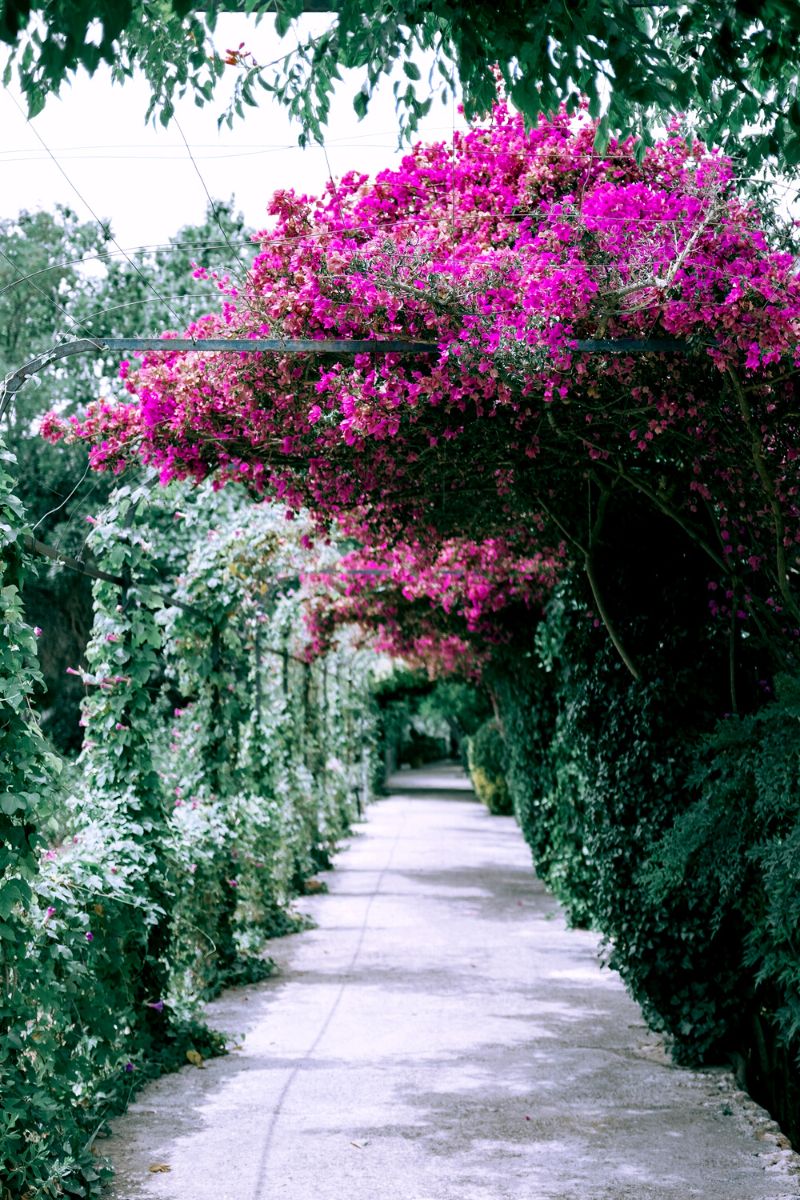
[675,835]
[486,760]
[218,771]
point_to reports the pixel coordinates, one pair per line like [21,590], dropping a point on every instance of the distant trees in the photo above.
[61,278]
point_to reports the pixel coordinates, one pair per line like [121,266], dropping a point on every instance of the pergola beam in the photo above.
[104,345]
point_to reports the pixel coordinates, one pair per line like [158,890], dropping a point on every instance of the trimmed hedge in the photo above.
[674,835]
[486,760]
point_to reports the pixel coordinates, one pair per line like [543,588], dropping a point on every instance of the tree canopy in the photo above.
[731,65]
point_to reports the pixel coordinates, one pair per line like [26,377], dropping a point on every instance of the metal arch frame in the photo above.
[15,379]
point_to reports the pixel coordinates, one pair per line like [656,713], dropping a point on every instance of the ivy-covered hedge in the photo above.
[735,851]
[677,841]
[487,768]
[219,770]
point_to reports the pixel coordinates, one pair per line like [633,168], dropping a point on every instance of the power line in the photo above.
[85,202]
[240,268]
[65,501]
[104,255]
[141,303]
[416,219]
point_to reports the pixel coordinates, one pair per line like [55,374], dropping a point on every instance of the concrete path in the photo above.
[442,1036]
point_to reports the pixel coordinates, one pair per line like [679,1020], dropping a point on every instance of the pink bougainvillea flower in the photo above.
[522,259]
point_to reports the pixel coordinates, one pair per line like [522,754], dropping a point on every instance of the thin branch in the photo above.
[769,488]
[602,612]
[670,512]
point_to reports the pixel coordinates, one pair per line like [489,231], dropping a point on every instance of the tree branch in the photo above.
[602,612]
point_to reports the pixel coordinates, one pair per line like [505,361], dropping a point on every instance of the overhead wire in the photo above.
[101,153]
[240,268]
[87,205]
[278,242]
[260,148]
[142,302]
[104,255]
[64,502]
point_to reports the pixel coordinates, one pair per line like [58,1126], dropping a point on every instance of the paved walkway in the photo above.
[442,1036]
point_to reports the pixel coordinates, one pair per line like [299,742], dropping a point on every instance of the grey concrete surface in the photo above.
[441,1035]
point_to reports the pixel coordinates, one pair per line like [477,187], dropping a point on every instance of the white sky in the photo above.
[140,177]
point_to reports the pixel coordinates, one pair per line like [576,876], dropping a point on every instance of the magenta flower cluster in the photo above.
[503,248]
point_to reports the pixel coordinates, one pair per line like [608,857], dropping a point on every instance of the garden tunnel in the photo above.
[573,476]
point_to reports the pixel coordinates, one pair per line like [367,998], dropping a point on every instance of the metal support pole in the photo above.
[109,345]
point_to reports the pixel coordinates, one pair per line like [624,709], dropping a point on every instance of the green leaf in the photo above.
[11,803]
[15,891]
[360,104]
[283,22]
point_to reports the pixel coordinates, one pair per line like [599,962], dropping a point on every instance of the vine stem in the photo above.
[769,488]
[606,619]
[602,611]
[668,512]
[732,657]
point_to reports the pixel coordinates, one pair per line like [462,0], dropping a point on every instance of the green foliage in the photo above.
[734,853]
[40,278]
[461,707]
[545,757]
[674,838]
[27,771]
[46,296]
[398,695]
[422,720]
[218,771]
[486,759]
[732,70]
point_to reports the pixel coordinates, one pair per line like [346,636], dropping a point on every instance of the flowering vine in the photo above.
[506,249]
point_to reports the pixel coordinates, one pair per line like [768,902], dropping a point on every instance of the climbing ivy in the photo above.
[219,769]
[672,833]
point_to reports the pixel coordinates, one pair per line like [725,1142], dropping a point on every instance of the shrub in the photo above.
[487,766]
[733,854]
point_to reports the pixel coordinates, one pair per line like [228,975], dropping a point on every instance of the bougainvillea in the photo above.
[507,249]
[437,606]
